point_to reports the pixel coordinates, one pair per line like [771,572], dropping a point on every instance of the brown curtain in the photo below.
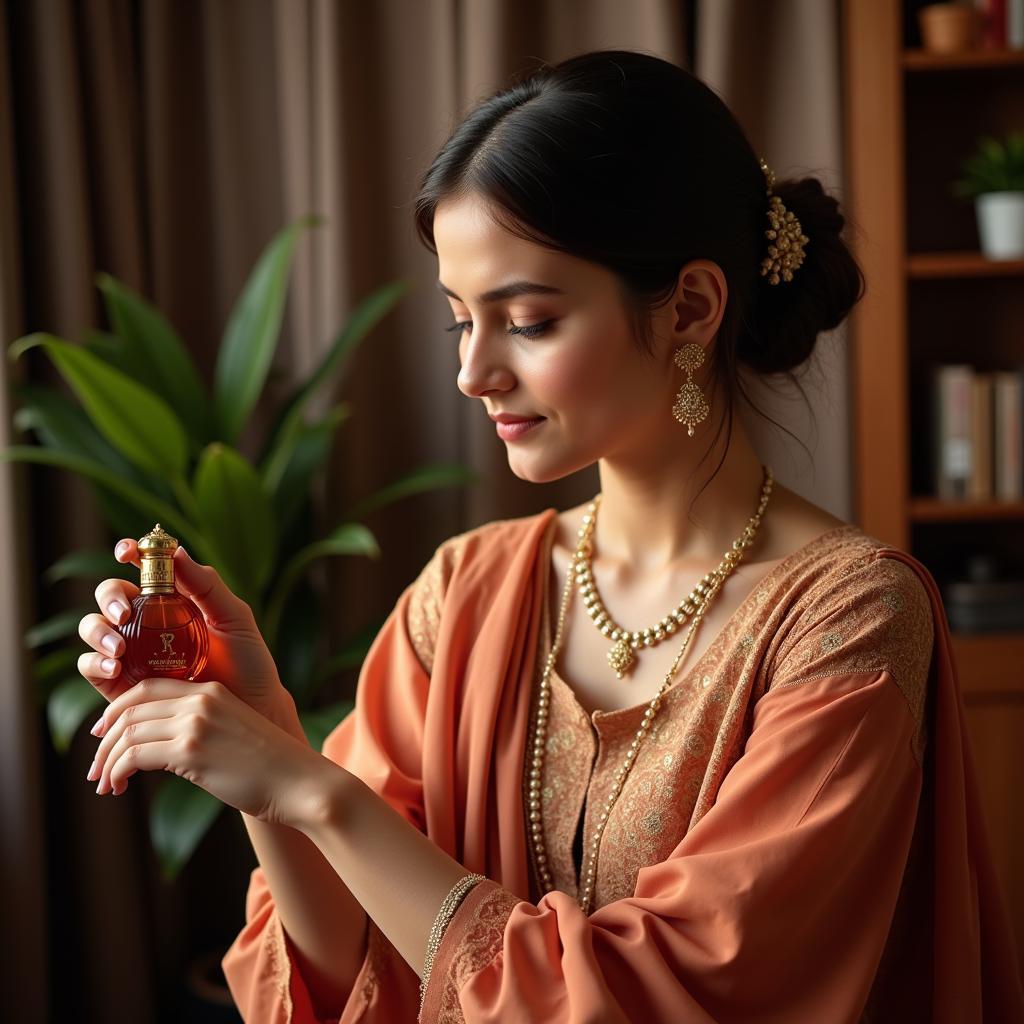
[165,142]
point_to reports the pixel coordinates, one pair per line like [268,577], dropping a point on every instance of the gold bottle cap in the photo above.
[156,542]
[156,549]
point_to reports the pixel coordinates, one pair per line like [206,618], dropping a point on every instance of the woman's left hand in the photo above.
[204,733]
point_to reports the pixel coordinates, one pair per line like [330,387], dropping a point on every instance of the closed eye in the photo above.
[529,331]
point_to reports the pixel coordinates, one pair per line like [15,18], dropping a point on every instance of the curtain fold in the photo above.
[165,143]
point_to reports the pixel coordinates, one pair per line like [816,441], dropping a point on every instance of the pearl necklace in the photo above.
[584,547]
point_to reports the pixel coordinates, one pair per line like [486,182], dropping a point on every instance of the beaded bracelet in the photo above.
[456,895]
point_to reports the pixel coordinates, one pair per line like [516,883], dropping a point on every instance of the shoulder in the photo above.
[846,566]
[490,542]
[857,605]
[475,553]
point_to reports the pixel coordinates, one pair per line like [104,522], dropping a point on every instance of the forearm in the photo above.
[325,923]
[367,843]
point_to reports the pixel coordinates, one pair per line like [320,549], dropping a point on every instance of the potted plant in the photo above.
[155,445]
[994,178]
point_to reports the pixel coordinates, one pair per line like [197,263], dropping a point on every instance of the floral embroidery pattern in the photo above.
[481,943]
[699,733]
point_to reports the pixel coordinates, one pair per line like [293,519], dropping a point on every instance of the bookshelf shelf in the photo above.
[962,263]
[916,59]
[927,509]
[911,119]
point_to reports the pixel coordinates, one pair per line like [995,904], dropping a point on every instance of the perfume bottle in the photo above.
[165,633]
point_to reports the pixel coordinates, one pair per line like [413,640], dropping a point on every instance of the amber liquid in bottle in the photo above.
[165,633]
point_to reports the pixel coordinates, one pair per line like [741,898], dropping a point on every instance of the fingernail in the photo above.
[97,727]
[116,610]
[108,665]
[110,642]
[121,548]
[92,769]
[98,785]
[184,552]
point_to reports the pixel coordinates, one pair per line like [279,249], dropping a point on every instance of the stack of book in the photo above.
[977,426]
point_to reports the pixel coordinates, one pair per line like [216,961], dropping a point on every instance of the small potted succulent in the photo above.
[994,178]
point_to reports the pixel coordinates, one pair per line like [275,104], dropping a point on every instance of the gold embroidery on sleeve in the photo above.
[895,612]
[482,941]
[280,961]
[424,611]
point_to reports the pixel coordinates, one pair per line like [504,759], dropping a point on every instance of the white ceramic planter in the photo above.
[1001,224]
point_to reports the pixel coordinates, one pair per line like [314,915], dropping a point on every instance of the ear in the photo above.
[696,309]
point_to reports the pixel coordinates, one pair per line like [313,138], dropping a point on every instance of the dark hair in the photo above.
[631,162]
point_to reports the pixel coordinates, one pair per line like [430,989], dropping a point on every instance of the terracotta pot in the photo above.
[950,28]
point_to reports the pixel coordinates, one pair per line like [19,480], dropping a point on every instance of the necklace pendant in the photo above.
[621,657]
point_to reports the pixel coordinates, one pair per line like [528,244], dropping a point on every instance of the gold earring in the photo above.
[690,407]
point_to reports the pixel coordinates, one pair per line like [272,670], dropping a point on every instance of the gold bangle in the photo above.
[456,895]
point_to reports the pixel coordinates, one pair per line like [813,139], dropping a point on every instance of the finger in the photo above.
[214,598]
[144,691]
[110,683]
[127,550]
[115,597]
[96,631]
[152,750]
[151,711]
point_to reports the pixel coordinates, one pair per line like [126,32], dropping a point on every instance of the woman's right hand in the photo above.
[238,657]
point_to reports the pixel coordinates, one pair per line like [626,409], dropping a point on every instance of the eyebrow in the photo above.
[508,291]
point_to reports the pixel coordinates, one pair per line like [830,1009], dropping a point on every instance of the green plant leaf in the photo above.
[57,626]
[117,352]
[236,516]
[180,815]
[68,705]
[133,419]
[148,505]
[308,454]
[424,478]
[320,723]
[61,425]
[90,565]
[147,331]
[291,417]
[252,331]
[346,539]
[58,423]
[994,166]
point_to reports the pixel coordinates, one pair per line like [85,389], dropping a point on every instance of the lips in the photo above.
[514,430]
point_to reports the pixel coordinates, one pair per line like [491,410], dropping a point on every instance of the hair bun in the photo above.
[789,316]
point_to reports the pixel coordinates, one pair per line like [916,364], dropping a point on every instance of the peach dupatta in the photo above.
[453,765]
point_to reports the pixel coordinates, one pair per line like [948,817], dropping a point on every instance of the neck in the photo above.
[643,523]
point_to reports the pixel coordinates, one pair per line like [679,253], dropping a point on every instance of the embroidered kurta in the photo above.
[799,838]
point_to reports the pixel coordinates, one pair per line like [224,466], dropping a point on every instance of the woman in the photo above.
[597,769]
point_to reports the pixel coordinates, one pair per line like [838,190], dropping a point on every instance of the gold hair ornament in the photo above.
[787,252]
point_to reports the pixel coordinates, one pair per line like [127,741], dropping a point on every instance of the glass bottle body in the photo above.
[165,635]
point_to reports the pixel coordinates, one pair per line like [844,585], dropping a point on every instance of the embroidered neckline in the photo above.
[738,615]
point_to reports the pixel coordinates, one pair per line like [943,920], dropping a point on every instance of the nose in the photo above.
[481,371]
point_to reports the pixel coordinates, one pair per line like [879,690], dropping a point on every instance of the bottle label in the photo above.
[157,572]
[165,658]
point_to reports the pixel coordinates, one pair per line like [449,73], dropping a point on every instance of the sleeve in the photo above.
[381,741]
[776,905]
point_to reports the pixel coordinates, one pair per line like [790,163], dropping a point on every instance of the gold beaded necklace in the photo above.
[620,655]
[584,548]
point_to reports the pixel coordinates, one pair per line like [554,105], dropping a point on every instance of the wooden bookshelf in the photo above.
[911,118]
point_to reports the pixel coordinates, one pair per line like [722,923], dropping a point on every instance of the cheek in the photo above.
[586,372]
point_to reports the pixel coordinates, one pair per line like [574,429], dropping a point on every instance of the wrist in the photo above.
[281,710]
[327,801]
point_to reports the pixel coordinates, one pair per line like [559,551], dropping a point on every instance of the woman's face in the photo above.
[564,354]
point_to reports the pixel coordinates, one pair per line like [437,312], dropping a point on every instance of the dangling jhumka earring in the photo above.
[690,406]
